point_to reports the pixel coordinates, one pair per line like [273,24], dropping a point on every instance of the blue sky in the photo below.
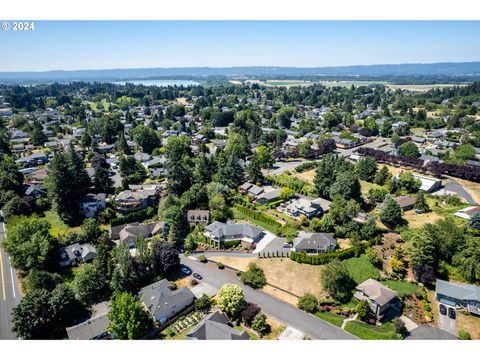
[72,45]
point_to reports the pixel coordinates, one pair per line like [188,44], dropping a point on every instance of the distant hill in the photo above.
[463,69]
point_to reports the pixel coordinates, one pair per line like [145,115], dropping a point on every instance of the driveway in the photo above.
[429,333]
[202,288]
[271,306]
[274,246]
[454,186]
[291,333]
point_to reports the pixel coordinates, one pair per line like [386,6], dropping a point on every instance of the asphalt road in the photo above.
[9,291]
[271,306]
[453,185]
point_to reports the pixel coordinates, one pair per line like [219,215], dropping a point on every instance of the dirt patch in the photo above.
[281,295]
[418,220]
[469,323]
[238,263]
[184,282]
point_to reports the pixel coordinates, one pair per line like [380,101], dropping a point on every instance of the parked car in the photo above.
[197,276]
[186,270]
[451,313]
[443,309]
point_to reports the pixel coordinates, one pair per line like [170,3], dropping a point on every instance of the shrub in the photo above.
[194,282]
[220,266]
[203,303]
[202,259]
[308,303]
[363,310]
[139,216]
[260,324]
[464,335]
[399,327]
[249,312]
[325,258]
[254,276]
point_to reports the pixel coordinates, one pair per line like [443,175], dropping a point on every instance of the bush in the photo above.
[249,312]
[308,303]
[325,258]
[203,303]
[363,310]
[194,282]
[139,216]
[220,266]
[202,259]
[399,327]
[254,276]
[464,335]
[260,324]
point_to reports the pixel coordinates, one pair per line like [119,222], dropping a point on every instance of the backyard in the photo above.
[361,269]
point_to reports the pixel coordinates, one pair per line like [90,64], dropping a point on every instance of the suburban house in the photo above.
[215,327]
[75,253]
[464,296]
[163,303]
[250,189]
[308,207]
[128,233]
[314,243]
[93,328]
[406,202]
[134,200]
[198,216]
[267,197]
[468,212]
[219,232]
[35,191]
[379,296]
[92,203]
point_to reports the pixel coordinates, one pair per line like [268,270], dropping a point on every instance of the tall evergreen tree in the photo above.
[253,170]
[67,183]
[122,145]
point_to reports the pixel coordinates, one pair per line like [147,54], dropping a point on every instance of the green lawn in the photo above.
[58,227]
[361,269]
[371,332]
[332,318]
[403,288]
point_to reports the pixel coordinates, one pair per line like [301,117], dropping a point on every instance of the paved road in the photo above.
[453,185]
[9,291]
[273,307]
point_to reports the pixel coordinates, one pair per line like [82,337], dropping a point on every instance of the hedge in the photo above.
[139,216]
[324,258]
[306,166]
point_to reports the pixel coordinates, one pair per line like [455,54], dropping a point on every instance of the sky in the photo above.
[78,45]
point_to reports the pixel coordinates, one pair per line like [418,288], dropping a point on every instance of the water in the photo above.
[159,82]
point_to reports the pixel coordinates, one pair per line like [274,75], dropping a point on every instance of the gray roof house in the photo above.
[221,232]
[128,200]
[73,254]
[466,296]
[92,203]
[267,197]
[215,327]
[93,328]
[379,296]
[128,233]
[163,303]
[314,243]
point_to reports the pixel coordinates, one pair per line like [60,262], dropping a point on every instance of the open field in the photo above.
[416,221]
[422,87]
[366,186]
[283,273]
[308,175]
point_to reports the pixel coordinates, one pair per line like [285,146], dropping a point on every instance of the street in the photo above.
[10,294]
[271,306]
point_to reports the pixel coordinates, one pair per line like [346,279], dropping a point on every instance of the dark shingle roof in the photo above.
[215,327]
